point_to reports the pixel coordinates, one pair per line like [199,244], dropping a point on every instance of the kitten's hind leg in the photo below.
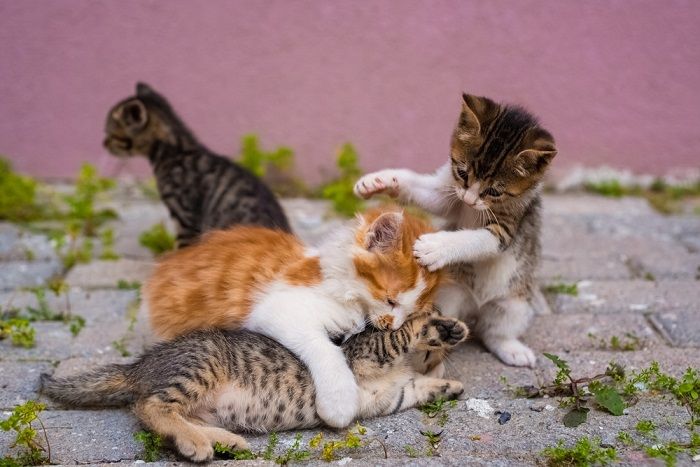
[499,324]
[166,419]
[423,389]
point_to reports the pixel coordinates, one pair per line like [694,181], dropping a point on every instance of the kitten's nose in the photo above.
[469,198]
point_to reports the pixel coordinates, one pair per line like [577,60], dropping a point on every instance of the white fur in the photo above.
[440,249]
[301,318]
[501,320]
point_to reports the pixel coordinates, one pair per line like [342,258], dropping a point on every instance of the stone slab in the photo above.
[16,274]
[106,274]
[19,382]
[17,244]
[681,328]
[81,436]
[616,296]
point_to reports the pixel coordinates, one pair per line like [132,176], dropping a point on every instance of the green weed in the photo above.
[438,409]
[585,452]
[157,239]
[562,289]
[20,421]
[152,445]
[20,332]
[627,343]
[340,190]
[18,201]
[257,160]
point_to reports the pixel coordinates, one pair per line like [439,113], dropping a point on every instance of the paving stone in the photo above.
[106,274]
[53,343]
[312,220]
[622,296]
[81,436]
[17,244]
[135,218]
[15,274]
[681,328]
[577,204]
[19,382]
[567,332]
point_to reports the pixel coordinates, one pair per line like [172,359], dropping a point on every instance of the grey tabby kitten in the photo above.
[196,388]
[489,194]
[203,191]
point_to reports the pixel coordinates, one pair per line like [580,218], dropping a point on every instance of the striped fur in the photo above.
[198,387]
[203,191]
[488,192]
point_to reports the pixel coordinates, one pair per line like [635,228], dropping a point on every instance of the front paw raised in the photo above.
[338,401]
[384,181]
[433,251]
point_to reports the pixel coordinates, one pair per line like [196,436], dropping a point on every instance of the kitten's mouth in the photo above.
[117,146]
[384,322]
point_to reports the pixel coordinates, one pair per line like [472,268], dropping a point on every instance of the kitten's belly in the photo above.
[237,407]
[492,278]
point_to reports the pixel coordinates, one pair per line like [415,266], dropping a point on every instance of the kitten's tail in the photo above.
[108,386]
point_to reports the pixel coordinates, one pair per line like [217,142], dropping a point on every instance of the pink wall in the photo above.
[615,81]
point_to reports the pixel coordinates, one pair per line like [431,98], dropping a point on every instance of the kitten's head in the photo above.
[499,152]
[135,123]
[396,285]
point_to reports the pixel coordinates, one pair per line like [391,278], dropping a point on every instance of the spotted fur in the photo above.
[202,387]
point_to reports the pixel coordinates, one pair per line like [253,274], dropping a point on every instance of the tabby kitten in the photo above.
[202,190]
[489,193]
[267,281]
[197,387]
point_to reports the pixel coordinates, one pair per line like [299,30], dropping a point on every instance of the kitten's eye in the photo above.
[462,173]
[391,302]
[491,191]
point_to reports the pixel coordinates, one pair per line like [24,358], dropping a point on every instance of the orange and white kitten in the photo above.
[267,281]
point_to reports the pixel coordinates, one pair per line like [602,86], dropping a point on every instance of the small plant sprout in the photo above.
[340,191]
[152,445]
[562,288]
[20,332]
[157,239]
[438,410]
[585,452]
[20,421]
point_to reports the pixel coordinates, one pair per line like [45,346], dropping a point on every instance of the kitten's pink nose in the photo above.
[469,198]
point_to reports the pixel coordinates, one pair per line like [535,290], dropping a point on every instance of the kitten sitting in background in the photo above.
[202,190]
[195,389]
[489,193]
[267,281]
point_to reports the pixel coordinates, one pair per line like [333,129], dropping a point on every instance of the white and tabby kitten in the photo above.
[489,194]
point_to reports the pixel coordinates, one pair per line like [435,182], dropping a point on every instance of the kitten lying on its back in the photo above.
[202,190]
[489,193]
[267,281]
[199,386]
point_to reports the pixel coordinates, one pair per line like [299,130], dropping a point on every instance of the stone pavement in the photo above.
[636,271]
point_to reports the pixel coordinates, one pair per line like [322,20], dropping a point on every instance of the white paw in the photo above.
[512,352]
[338,401]
[432,251]
[384,181]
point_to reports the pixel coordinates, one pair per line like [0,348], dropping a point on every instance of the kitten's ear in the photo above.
[475,110]
[536,158]
[385,232]
[134,114]
[143,90]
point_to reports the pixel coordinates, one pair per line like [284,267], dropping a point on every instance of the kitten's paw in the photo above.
[384,181]
[225,437]
[512,352]
[431,251]
[444,389]
[197,449]
[338,403]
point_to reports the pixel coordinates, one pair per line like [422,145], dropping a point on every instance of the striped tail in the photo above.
[108,386]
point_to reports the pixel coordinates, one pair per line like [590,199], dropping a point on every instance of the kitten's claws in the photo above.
[384,181]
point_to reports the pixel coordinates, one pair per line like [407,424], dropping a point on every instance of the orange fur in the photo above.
[213,283]
[391,272]
[216,282]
